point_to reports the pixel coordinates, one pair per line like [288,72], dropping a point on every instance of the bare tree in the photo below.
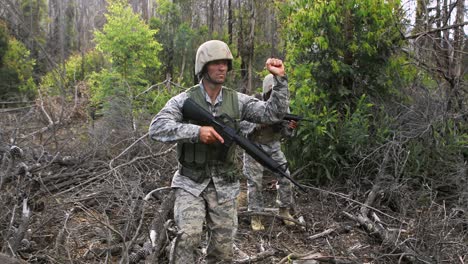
[246,44]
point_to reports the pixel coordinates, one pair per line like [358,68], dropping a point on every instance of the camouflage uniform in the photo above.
[213,198]
[268,138]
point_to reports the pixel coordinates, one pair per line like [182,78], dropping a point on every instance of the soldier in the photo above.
[206,181]
[268,138]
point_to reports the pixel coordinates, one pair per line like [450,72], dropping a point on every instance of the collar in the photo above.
[219,98]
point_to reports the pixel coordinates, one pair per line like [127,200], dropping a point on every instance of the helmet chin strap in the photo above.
[207,77]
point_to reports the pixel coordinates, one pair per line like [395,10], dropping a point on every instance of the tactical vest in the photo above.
[267,134]
[194,157]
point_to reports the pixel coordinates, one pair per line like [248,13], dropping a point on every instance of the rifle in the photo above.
[289,117]
[192,111]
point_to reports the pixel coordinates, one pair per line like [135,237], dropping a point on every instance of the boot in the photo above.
[284,212]
[256,223]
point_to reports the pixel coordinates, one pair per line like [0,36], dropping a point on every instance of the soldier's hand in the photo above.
[275,66]
[208,135]
[292,124]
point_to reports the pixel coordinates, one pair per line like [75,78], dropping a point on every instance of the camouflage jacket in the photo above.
[167,126]
[266,134]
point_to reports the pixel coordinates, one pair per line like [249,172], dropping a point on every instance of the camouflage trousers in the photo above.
[253,171]
[190,212]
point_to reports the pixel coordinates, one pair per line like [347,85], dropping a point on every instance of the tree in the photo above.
[340,54]
[167,23]
[128,44]
[246,43]
[3,41]
[17,59]
[16,68]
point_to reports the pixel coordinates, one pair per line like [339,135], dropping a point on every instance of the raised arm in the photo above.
[273,110]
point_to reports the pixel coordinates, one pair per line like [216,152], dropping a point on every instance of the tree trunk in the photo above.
[230,22]
[456,59]
[211,18]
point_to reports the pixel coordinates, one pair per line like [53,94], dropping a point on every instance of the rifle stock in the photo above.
[192,111]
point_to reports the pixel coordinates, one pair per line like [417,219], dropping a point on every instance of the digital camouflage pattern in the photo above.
[191,214]
[266,138]
[168,126]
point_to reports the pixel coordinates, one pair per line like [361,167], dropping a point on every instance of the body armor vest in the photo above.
[267,134]
[195,156]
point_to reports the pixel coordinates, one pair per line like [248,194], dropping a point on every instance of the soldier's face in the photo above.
[217,71]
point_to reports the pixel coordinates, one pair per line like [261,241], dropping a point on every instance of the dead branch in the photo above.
[315,256]
[338,230]
[5,259]
[15,242]
[60,248]
[158,232]
[259,257]
[125,150]
[344,196]
[435,30]
[389,238]
[252,213]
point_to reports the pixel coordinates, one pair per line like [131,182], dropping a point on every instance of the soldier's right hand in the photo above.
[208,135]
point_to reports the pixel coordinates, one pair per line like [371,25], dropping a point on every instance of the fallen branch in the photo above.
[315,256]
[260,256]
[388,238]
[252,213]
[338,230]
[158,230]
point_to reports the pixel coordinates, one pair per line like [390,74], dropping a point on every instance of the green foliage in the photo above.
[128,44]
[17,71]
[347,44]
[341,58]
[437,158]
[329,145]
[78,67]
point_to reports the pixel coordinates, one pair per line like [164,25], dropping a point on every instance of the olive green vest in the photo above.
[267,134]
[195,156]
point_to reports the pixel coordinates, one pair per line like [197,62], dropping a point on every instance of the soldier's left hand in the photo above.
[275,67]
[292,124]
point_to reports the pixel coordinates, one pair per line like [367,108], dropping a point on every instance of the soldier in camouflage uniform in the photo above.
[268,138]
[206,181]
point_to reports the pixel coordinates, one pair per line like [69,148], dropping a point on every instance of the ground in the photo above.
[85,188]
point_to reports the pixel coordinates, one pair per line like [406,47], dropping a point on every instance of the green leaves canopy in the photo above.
[128,43]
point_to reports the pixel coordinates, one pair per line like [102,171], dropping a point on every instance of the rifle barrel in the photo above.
[294,117]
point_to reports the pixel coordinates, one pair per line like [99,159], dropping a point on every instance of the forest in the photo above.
[383,154]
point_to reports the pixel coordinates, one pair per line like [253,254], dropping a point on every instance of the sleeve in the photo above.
[268,112]
[168,125]
[246,128]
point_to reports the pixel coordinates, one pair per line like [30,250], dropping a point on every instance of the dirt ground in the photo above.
[86,195]
[319,213]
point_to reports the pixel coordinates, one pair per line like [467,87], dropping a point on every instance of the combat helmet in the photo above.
[210,51]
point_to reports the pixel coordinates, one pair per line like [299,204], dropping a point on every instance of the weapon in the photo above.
[192,111]
[289,117]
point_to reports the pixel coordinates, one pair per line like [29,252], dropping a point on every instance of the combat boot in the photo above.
[284,212]
[256,223]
